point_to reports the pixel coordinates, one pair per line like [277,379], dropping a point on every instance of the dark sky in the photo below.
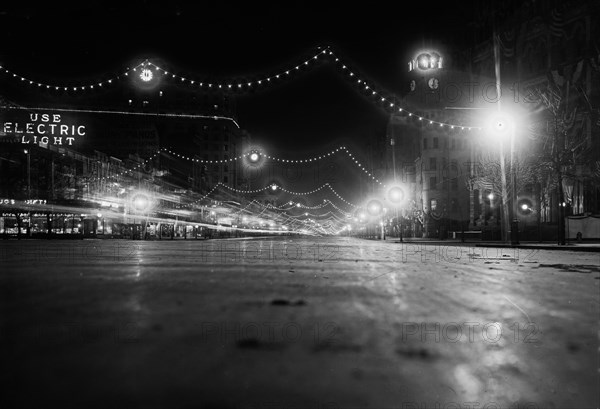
[62,41]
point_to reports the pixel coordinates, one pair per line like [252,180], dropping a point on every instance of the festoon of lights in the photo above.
[388,99]
[369,87]
[318,189]
[281,160]
[147,75]
[64,87]
[195,202]
[237,84]
[274,187]
[292,206]
[139,165]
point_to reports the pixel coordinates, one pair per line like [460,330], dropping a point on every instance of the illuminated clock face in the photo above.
[433,83]
[413,85]
[146,75]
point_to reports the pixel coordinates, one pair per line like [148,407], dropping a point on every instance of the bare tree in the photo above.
[565,108]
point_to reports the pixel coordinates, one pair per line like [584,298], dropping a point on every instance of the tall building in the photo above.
[548,67]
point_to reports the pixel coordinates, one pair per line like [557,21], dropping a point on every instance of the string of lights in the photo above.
[230,84]
[291,205]
[139,165]
[146,74]
[387,99]
[273,187]
[198,160]
[203,197]
[63,87]
[308,160]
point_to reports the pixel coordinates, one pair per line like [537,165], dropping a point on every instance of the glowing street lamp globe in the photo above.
[141,202]
[254,157]
[396,194]
[374,207]
[273,187]
[501,124]
[146,75]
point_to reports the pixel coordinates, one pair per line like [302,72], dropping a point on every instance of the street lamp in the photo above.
[141,203]
[502,125]
[254,157]
[28,153]
[395,195]
[375,209]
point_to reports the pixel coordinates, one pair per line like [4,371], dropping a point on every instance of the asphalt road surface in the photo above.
[296,323]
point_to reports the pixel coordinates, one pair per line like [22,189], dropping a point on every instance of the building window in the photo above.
[225,179]
[436,144]
[432,183]
[432,205]
[432,163]
[225,168]
[424,143]
[225,148]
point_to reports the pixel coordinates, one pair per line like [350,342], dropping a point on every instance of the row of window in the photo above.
[455,143]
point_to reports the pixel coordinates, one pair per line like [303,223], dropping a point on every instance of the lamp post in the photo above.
[393,143]
[501,125]
[396,196]
[28,153]
[514,230]
[375,208]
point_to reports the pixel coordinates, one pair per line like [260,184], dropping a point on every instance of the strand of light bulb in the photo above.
[344,67]
[70,87]
[201,84]
[139,165]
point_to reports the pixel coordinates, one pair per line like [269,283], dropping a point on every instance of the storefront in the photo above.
[29,224]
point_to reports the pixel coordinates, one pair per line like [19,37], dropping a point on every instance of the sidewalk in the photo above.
[589,246]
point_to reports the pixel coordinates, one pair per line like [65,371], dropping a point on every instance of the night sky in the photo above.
[61,42]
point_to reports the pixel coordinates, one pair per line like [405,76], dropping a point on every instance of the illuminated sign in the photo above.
[28,201]
[425,61]
[44,129]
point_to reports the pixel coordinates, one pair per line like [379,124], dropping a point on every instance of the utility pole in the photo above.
[559,143]
[393,144]
[514,236]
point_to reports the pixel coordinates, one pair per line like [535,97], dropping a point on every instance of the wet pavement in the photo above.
[292,322]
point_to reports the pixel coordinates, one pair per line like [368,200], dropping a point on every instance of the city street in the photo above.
[293,322]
